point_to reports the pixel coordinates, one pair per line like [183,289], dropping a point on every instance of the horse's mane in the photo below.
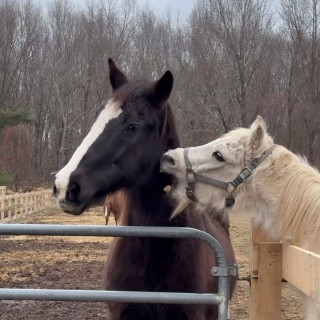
[169,129]
[299,205]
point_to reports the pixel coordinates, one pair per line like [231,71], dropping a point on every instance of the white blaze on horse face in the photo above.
[111,111]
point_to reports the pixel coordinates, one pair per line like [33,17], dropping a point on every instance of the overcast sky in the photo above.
[160,6]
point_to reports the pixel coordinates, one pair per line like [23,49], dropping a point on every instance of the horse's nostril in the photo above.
[169,160]
[55,191]
[73,191]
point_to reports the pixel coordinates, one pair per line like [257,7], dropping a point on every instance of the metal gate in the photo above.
[222,271]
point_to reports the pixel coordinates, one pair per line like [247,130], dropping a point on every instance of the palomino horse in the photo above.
[123,150]
[116,204]
[244,171]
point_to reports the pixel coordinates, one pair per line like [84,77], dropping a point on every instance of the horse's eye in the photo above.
[132,128]
[218,156]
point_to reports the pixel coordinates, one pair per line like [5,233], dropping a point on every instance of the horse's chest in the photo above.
[139,263]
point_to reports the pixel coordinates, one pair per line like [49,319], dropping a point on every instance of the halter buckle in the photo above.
[245,174]
[190,194]
[190,176]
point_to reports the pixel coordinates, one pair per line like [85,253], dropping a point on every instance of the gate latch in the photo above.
[225,272]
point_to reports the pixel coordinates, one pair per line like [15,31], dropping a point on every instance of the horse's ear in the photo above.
[259,129]
[162,89]
[117,77]
[259,121]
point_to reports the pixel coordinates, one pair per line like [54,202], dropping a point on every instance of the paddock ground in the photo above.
[77,263]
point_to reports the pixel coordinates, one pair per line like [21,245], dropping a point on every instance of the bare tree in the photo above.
[301,19]
[229,63]
[15,151]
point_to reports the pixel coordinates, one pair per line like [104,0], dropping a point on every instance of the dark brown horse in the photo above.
[123,150]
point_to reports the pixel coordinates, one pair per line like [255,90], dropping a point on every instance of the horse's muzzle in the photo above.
[68,200]
[70,207]
[167,163]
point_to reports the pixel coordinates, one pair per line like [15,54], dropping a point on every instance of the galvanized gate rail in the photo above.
[222,271]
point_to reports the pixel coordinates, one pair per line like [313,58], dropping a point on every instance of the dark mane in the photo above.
[169,130]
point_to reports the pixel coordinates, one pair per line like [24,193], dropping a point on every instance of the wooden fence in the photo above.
[17,205]
[270,263]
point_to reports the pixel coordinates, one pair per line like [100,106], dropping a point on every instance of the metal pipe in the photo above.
[111,296]
[132,231]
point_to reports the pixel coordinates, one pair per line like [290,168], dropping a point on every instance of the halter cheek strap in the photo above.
[193,177]
[190,176]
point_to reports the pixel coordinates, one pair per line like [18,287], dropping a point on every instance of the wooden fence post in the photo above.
[2,208]
[29,201]
[2,202]
[23,205]
[2,191]
[15,206]
[10,206]
[266,276]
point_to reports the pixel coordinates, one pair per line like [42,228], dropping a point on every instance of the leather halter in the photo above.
[193,177]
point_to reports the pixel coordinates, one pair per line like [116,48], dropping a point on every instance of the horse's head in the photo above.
[221,161]
[124,146]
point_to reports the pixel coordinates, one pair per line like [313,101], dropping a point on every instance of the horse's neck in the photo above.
[260,197]
[148,205]
[284,188]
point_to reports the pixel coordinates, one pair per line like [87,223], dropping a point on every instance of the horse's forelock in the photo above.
[130,91]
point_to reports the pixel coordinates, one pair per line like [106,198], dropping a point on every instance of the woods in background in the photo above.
[232,60]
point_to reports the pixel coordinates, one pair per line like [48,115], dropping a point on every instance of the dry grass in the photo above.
[41,254]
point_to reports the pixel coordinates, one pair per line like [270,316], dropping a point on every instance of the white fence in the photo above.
[17,205]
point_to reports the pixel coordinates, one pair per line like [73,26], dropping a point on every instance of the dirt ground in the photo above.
[77,263]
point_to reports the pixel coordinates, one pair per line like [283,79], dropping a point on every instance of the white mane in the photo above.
[298,206]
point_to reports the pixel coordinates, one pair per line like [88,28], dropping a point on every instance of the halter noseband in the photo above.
[193,177]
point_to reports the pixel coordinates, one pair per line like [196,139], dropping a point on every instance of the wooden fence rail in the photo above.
[21,204]
[272,261]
